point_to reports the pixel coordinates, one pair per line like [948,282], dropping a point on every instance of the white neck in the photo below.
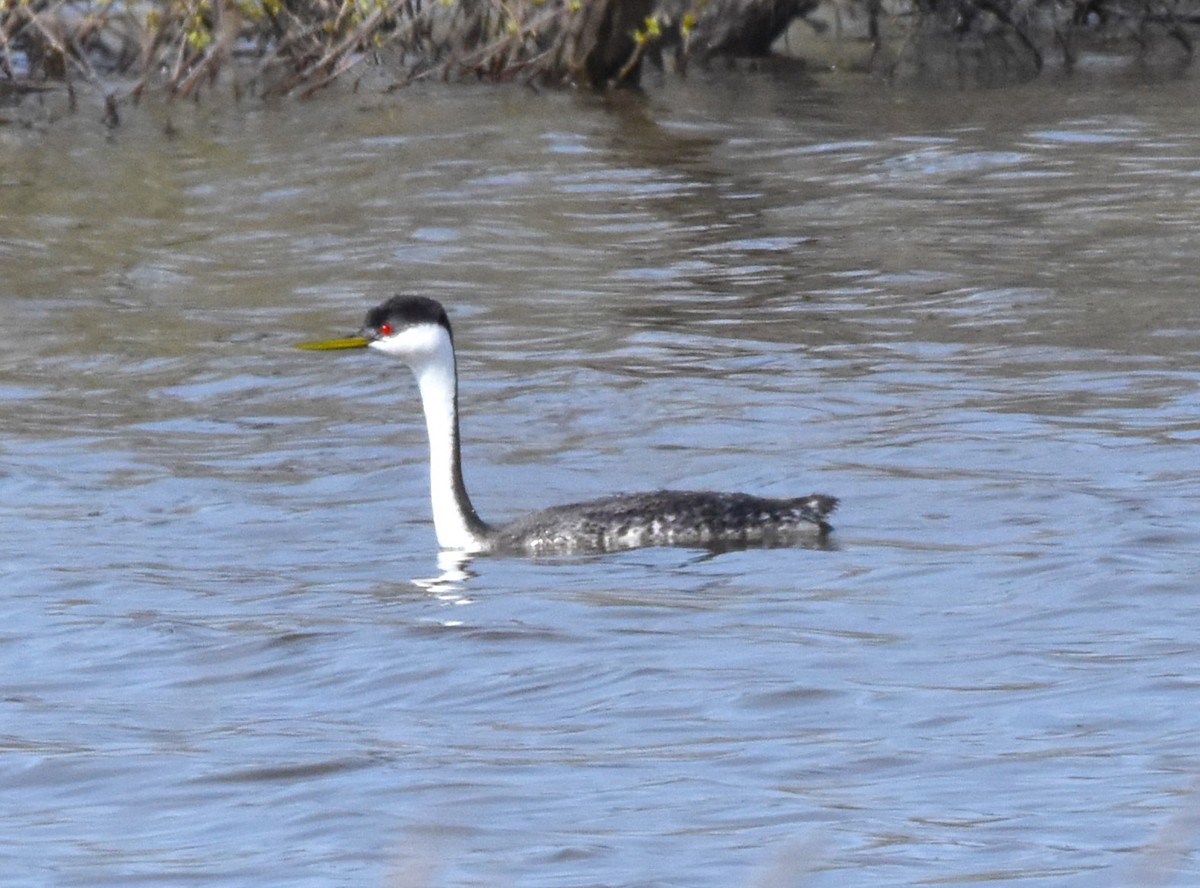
[454,518]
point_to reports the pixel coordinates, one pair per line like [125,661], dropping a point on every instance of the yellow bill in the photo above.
[331,344]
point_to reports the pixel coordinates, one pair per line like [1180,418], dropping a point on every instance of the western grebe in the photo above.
[415,329]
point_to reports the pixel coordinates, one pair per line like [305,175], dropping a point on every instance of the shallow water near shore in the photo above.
[231,654]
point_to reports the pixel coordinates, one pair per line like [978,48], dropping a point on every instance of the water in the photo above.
[230,654]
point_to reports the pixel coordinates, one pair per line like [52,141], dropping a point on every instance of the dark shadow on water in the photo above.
[455,567]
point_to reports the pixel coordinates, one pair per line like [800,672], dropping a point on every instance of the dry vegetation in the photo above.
[123,48]
[280,47]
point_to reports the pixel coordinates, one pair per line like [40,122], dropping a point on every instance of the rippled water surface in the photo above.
[229,653]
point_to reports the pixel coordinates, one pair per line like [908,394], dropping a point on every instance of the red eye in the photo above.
[385,329]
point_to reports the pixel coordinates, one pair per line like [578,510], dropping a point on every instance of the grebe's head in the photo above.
[414,329]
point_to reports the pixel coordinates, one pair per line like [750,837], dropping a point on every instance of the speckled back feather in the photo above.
[667,518]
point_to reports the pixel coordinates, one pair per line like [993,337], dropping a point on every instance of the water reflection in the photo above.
[449,586]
